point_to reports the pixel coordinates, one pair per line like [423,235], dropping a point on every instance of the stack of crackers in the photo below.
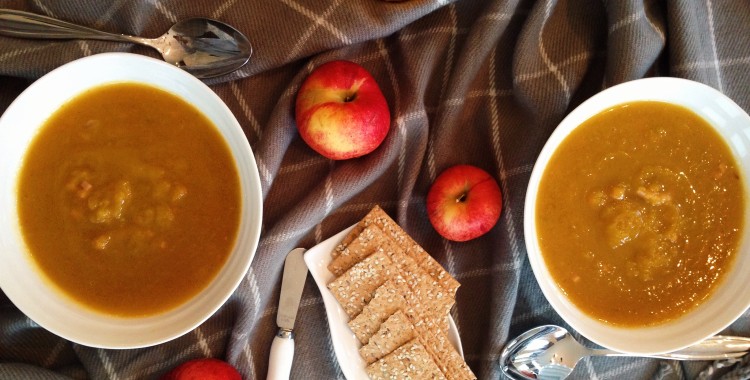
[398,299]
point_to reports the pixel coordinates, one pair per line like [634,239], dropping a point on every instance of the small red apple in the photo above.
[464,203]
[341,112]
[203,369]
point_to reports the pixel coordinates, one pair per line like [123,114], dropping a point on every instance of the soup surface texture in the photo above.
[639,213]
[129,200]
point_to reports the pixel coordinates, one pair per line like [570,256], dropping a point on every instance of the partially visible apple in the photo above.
[203,369]
[341,112]
[464,203]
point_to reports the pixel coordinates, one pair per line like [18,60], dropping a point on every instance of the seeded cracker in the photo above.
[444,354]
[436,342]
[432,299]
[410,361]
[387,300]
[379,218]
[426,289]
[393,333]
[364,244]
[356,287]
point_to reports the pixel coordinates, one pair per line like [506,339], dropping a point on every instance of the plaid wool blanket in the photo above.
[480,82]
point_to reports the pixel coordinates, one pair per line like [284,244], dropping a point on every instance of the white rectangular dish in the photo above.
[345,343]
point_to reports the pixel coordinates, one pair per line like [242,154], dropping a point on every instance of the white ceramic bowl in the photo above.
[731,298]
[21,280]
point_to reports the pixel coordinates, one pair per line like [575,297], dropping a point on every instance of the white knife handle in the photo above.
[282,353]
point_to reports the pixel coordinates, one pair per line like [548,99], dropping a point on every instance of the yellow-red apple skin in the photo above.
[464,202]
[341,112]
[203,369]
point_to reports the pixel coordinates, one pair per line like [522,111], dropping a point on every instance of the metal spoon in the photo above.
[203,47]
[550,352]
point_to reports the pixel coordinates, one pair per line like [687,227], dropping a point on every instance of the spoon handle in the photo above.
[21,24]
[714,348]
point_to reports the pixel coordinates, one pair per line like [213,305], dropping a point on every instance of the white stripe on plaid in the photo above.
[583,56]
[109,368]
[547,61]
[248,352]
[318,20]
[84,46]
[164,10]
[44,8]
[246,111]
[303,165]
[55,353]
[107,16]
[510,224]
[711,64]
[202,343]
[19,52]
[711,28]
[221,9]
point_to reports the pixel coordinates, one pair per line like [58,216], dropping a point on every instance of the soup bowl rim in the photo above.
[30,290]
[728,301]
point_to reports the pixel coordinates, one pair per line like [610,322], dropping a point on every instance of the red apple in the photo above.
[203,369]
[341,112]
[464,203]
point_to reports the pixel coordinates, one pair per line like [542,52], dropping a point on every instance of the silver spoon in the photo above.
[203,47]
[550,352]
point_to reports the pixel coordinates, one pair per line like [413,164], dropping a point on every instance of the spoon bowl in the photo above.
[203,47]
[551,352]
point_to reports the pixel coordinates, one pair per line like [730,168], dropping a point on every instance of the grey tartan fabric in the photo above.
[470,81]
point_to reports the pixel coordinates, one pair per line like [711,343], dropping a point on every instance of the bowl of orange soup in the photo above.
[636,215]
[131,201]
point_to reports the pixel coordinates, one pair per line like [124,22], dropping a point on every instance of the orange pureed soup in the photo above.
[640,212]
[129,200]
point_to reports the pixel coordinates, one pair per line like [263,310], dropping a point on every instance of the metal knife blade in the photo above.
[292,285]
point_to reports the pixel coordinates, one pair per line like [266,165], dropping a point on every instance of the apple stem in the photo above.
[350,97]
[461,198]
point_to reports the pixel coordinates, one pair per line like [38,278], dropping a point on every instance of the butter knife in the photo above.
[292,285]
